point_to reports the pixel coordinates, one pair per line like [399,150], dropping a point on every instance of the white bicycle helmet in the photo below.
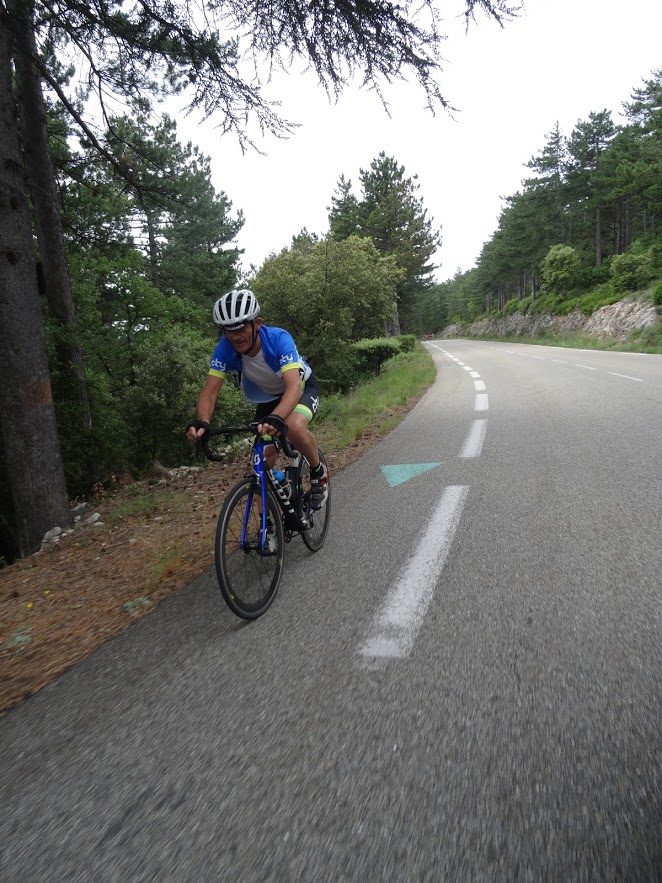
[235,308]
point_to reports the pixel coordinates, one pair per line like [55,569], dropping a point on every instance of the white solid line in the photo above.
[626,376]
[479,386]
[586,366]
[474,440]
[397,623]
[481,402]
[474,374]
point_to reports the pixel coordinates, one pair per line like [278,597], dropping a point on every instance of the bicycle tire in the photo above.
[319,518]
[248,577]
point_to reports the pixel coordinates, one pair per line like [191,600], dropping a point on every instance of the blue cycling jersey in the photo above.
[280,355]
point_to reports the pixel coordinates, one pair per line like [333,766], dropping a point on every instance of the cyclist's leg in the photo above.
[304,440]
[261,411]
[298,433]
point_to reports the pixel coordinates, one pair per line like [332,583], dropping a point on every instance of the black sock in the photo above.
[317,472]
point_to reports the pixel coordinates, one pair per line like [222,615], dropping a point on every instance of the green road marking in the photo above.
[397,474]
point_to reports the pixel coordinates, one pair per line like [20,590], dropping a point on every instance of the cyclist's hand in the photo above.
[272,425]
[196,429]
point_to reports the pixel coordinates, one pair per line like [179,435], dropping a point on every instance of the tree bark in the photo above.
[43,190]
[598,237]
[34,465]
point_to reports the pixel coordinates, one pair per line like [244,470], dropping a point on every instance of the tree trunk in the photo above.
[155,276]
[598,237]
[45,202]
[27,415]
[392,327]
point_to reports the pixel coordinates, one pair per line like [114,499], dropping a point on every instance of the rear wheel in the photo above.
[319,519]
[248,573]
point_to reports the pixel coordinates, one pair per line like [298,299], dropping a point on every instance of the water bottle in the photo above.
[279,475]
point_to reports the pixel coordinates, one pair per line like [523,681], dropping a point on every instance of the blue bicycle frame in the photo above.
[258,468]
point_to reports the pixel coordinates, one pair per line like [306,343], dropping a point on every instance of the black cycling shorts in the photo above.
[308,403]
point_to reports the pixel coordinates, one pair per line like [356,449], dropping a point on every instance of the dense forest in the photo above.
[114,243]
[585,228]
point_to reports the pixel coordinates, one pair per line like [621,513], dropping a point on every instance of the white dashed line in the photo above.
[474,374]
[481,402]
[559,361]
[473,443]
[541,358]
[588,367]
[396,625]
[626,376]
[479,386]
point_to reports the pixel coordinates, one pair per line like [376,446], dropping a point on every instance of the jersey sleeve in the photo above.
[224,360]
[288,357]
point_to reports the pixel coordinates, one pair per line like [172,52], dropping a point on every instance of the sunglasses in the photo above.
[236,329]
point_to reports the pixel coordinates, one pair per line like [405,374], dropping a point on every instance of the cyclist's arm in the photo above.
[207,403]
[289,400]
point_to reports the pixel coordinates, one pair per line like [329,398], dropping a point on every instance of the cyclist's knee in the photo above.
[270,455]
[298,426]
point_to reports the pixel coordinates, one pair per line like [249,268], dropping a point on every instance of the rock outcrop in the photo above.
[615,321]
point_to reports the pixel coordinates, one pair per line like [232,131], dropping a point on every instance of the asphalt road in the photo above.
[464,684]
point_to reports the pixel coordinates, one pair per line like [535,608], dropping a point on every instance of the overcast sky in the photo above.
[559,61]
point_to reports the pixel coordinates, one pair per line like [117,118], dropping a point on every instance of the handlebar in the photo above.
[281,440]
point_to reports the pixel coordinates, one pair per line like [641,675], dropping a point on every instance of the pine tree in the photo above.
[391,214]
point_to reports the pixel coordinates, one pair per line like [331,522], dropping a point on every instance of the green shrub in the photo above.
[561,268]
[630,272]
[647,339]
[593,275]
[525,304]
[511,306]
[373,353]
[657,294]
[547,303]
[170,370]
[567,306]
[600,297]
[406,342]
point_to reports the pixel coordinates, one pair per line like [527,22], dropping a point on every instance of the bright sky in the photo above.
[559,61]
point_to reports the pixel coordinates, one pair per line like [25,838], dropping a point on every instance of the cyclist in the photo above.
[272,374]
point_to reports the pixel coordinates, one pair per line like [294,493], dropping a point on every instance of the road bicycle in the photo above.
[249,559]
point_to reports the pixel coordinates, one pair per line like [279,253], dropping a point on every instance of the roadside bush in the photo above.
[593,275]
[600,297]
[657,295]
[630,272]
[511,306]
[406,342]
[567,306]
[373,353]
[547,303]
[525,304]
[561,269]
[170,369]
[648,339]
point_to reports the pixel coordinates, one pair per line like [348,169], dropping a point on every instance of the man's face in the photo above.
[241,339]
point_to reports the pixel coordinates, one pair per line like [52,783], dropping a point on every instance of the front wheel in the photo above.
[248,570]
[319,519]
